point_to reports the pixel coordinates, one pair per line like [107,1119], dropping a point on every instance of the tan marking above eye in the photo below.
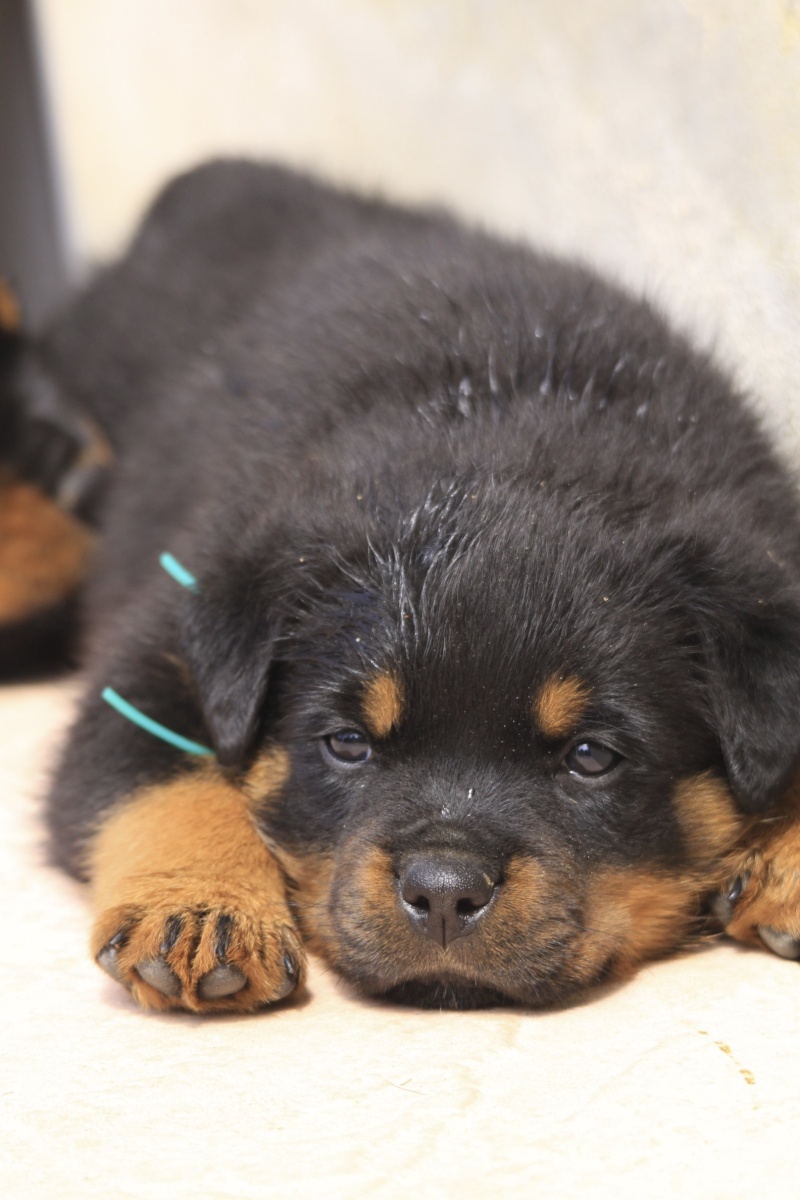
[559,705]
[382,704]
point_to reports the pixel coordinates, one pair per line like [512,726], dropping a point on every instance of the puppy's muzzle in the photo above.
[445,896]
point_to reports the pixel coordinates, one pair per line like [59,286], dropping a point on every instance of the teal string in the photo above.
[178,572]
[185,578]
[150,726]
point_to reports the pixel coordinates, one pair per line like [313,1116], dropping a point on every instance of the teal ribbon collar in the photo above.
[135,715]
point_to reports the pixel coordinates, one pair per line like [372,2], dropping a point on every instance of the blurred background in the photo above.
[660,139]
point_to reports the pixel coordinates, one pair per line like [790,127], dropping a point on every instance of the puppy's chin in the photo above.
[450,993]
[454,992]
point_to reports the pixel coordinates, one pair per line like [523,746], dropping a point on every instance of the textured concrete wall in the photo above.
[659,138]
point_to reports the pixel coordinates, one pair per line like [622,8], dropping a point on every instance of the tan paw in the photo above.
[761,904]
[229,955]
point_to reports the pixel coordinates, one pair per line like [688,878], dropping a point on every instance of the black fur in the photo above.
[383,441]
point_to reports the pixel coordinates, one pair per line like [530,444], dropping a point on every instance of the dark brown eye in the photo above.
[348,746]
[591,759]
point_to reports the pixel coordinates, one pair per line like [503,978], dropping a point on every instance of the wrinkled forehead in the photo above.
[500,644]
[551,708]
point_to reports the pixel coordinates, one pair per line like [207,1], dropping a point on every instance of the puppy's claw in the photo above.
[172,932]
[107,959]
[160,976]
[779,942]
[223,936]
[222,981]
[723,904]
[292,976]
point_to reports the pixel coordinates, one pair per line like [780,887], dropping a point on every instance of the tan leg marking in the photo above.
[382,704]
[181,876]
[44,552]
[559,705]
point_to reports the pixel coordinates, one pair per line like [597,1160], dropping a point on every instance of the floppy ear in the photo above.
[750,628]
[228,638]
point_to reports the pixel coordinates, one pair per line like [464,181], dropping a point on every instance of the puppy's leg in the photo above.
[52,462]
[44,552]
[51,441]
[191,908]
[761,903]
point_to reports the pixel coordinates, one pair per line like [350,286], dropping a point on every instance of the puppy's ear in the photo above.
[228,639]
[750,628]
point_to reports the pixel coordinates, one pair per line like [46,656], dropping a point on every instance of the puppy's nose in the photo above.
[445,896]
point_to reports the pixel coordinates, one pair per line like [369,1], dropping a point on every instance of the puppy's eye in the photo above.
[591,759]
[348,745]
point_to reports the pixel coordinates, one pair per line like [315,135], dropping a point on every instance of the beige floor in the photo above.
[682,1083]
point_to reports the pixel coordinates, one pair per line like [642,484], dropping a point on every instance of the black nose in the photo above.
[445,895]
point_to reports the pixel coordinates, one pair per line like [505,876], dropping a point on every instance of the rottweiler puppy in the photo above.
[475,664]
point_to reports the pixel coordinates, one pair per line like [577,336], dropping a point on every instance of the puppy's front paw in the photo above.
[227,956]
[761,904]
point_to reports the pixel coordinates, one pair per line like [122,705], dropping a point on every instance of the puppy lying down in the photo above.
[475,664]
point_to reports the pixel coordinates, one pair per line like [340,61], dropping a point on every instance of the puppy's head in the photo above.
[521,745]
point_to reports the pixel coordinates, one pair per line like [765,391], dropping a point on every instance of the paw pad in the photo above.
[222,981]
[779,942]
[158,974]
